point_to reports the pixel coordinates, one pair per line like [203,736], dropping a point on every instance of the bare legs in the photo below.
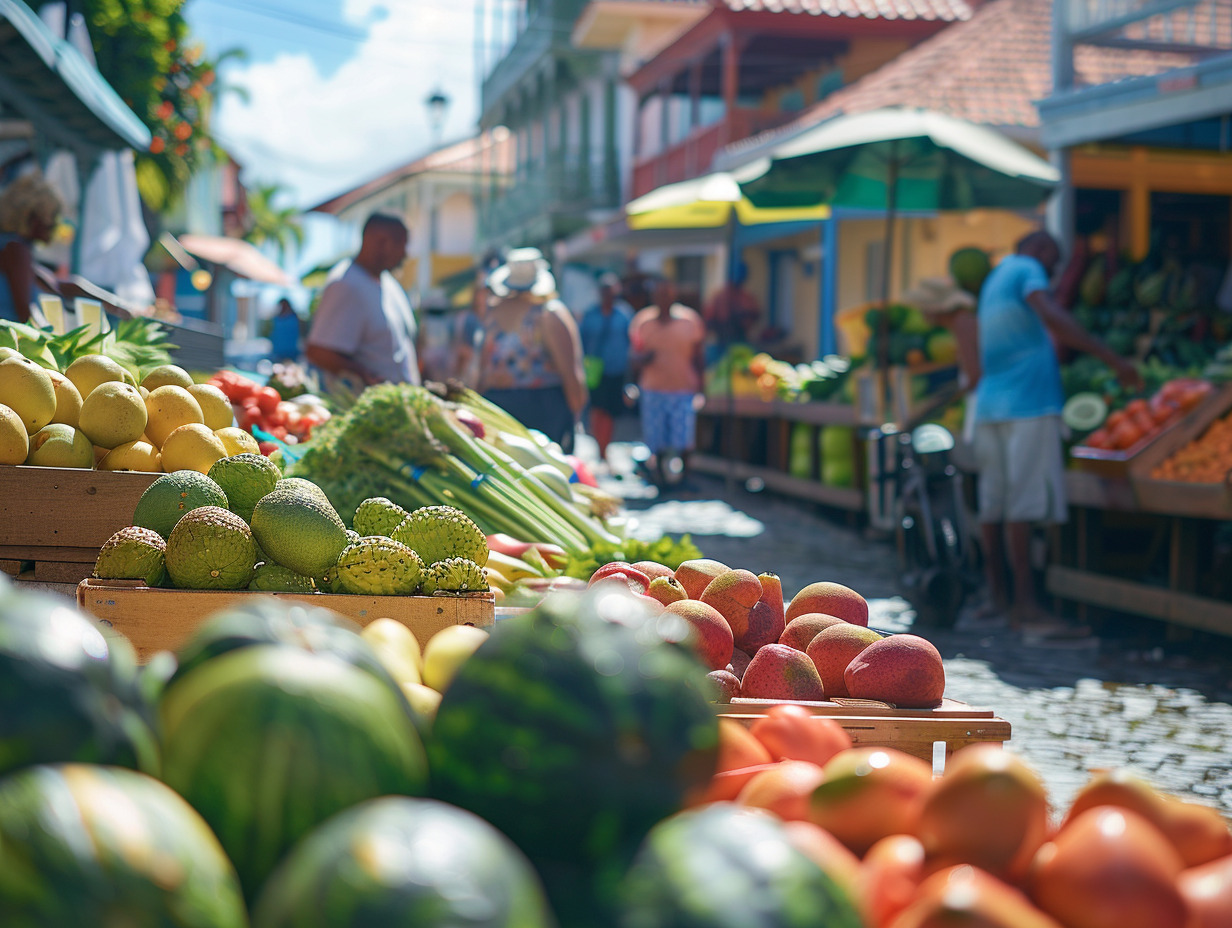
[602,425]
[1014,539]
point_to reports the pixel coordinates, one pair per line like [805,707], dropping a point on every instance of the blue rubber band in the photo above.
[573,477]
[478,480]
[417,472]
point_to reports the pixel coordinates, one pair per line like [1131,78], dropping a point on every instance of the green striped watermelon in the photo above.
[82,846]
[403,863]
[727,866]
[269,741]
[574,729]
[67,691]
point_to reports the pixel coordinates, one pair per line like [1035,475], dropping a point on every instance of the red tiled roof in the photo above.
[989,70]
[943,10]
[488,151]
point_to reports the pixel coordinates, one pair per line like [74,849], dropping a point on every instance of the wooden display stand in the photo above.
[56,518]
[870,723]
[162,620]
[732,421]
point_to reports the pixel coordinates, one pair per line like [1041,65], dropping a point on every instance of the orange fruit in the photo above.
[793,733]
[868,794]
[785,789]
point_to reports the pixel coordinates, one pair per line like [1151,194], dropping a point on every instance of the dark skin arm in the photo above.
[1069,333]
[17,266]
[329,360]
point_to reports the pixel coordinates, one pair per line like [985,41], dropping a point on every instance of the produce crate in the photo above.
[157,619]
[1120,464]
[878,724]
[58,517]
[1180,498]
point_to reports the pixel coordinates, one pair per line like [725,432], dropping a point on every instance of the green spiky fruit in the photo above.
[379,566]
[378,516]
[299,529]
[454,575]
[211,549]
[274,578]
[133,553]
[168,498]
[439,532]
[245,478]
[329,582]
[352,536]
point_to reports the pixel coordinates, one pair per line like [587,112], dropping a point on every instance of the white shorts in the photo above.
[1022,471]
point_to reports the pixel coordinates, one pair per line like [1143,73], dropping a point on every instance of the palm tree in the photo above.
[269,223]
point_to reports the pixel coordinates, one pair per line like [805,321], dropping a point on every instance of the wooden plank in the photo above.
[949,708]
[12,568]
[810,413]
[49,553]
[61,571]
[1091,491]
[156,619]
[915,736]
[1202,613]
[72,507]
[838,497]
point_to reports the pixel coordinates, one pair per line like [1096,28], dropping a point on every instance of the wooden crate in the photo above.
[56,518]
[1174,497]
[1121,464]
[157,620]
[878,724]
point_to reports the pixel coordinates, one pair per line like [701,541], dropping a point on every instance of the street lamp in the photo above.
[437,104]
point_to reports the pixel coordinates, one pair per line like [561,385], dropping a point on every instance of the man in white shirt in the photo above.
[363,327]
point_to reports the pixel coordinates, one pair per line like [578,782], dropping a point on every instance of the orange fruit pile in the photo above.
[1207,459]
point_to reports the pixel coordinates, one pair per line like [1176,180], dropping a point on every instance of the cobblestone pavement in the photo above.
[1162,710]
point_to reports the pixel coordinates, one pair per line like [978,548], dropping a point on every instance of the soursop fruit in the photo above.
[133,553]
[379,566]
[298,529]
[274,578]
[439,532]
[378,516]
[329,582]
[211,548]
[245,478]
[353,536]
[454,575]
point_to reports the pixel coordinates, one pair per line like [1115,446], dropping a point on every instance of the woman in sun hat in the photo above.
[531,362]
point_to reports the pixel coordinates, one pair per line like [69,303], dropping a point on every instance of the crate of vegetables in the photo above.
[278,408]
[1127,432]
[1189,474]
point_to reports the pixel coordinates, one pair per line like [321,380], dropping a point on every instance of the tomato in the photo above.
[250,416]
[279,432]
[1098,439]
[267,447]
[267,398]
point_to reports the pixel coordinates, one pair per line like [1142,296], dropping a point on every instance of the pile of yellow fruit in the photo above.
[95,414]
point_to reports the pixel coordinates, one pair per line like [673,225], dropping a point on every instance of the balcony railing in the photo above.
[694,156]
[566,184]
[1175,25]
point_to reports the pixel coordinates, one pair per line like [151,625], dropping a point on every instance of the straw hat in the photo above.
[525,271]
[938,295]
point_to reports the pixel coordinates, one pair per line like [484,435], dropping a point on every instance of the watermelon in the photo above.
[403,863]
[269,741]
[84,845]
[266,620]
[68,692]
[728,866]
[574,729]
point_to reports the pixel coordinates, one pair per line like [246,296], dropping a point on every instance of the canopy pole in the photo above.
[729,423]
[887,267]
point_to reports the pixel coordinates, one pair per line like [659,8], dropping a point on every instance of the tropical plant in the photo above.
[144,50]
[269,223]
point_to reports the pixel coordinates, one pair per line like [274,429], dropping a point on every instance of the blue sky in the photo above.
[337,87]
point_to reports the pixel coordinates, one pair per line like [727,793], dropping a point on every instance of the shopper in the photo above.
[666,340]
[732,314]
[363,328]
[285,332]
[531,360]
[29,210]
[1018,427]
[605,341]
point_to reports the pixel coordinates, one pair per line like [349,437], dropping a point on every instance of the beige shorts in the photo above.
[1022,472]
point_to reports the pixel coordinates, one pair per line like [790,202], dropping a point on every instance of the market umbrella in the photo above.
[898,159]
[710,202]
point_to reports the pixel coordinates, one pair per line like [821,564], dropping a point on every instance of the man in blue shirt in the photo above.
[605,341]
[1018,402]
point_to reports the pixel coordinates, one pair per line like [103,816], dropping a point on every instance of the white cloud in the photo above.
[319,135]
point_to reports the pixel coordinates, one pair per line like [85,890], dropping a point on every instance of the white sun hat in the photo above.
[525,271]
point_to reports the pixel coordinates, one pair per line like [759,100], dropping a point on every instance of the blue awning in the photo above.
[47,81]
